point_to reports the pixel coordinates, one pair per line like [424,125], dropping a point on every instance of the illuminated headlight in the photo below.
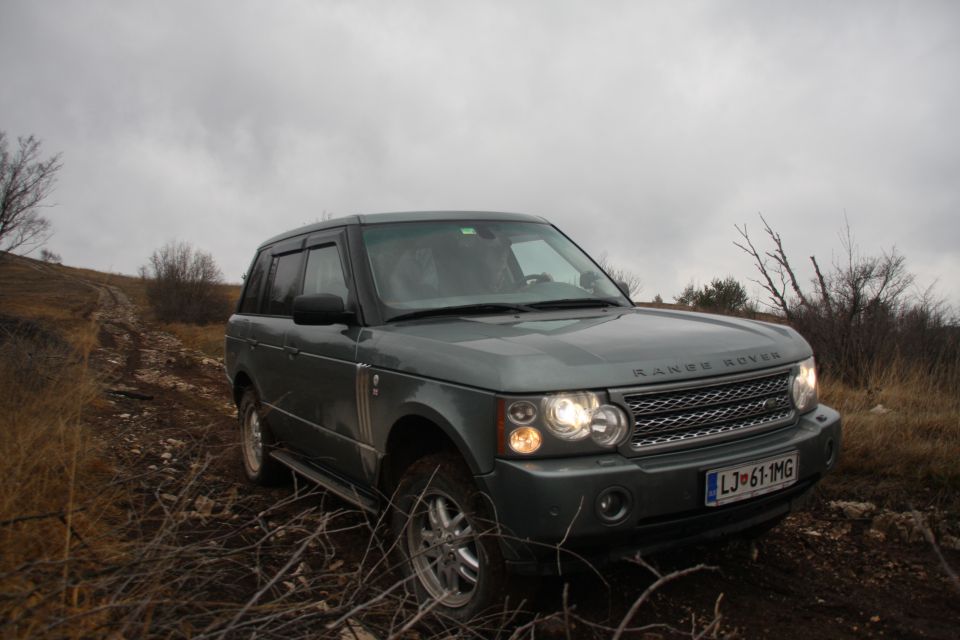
[804,387]
[575,416]
[568,415]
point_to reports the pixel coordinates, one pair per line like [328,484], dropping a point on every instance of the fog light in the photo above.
[525,440]
[613,505]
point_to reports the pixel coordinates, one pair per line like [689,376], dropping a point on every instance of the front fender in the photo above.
[466,416]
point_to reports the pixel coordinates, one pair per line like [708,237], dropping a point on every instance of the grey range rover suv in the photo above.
[481,378]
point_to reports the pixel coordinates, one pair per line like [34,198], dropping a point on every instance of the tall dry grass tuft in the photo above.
[903,423]
[53,500]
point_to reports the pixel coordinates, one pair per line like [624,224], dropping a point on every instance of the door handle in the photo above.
[253,342]
[291,350]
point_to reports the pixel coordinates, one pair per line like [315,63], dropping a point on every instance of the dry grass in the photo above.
[55,499]
[34,291]
[85,555]
[904,425]
[205,338]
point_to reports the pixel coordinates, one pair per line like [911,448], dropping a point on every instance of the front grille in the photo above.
[681,415]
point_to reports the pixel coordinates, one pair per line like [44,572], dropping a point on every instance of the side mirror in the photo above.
[320,309]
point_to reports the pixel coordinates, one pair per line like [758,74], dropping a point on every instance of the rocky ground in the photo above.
[273,562]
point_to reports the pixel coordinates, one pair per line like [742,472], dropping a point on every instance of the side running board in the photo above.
[337,486]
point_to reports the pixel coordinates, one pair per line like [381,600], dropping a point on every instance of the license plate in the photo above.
[731,484]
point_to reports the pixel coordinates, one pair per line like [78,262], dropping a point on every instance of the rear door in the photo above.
[268,330]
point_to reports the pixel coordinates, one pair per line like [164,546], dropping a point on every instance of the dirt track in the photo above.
[822,573]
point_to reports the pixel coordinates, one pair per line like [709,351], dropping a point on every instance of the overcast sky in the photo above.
[644,130]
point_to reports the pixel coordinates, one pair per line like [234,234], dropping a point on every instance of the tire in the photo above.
[448,546]
[256,440]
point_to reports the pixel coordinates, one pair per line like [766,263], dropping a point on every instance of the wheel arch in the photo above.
[241,382]
[419,432]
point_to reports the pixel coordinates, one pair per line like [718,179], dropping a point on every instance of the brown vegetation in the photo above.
[205,338]
[127,517]
[903,425]
[860,314]
[184,284]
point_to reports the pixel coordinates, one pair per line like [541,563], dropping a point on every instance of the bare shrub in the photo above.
[184,284]
[49,256]
[861,314]
[25,182]
[632,281]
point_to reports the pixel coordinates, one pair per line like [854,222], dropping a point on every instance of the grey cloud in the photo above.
[644,130]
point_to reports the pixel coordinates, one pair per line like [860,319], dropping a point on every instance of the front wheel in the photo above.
[449,547]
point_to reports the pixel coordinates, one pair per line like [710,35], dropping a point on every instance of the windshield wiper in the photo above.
[464,310]
[574,303]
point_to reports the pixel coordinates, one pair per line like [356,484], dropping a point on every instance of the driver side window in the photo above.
[325,272]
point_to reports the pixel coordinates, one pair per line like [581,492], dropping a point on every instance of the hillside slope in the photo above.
[138,522]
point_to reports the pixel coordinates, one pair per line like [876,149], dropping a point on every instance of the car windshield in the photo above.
[481,267]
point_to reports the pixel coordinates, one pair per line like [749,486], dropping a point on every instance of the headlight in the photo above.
[575,416]
[804,387]
[609,425]
[568,415]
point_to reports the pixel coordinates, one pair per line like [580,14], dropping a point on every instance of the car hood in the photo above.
[586,349]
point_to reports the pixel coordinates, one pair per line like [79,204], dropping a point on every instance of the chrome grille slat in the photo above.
[668,417]
[681,436]
[701,397]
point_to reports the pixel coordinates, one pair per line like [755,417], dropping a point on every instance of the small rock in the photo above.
[152,467]
[204,505]
[854,510]
[175,443]
[169,497]
[950,542]
[230,497]
[353,630]
[900,526]
[124,416]
[136,452]
[879,410]
[166,455]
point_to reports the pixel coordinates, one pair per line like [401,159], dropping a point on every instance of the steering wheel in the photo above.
[537,278]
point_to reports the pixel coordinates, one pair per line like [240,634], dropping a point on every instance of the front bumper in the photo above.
[546,505]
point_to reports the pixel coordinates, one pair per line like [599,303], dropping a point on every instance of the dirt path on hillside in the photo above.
[836,570]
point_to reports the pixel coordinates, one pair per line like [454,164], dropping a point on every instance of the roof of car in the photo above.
[403,216]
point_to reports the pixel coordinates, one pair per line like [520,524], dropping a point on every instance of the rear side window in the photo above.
[325,272]
[285,281]
[251,294]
